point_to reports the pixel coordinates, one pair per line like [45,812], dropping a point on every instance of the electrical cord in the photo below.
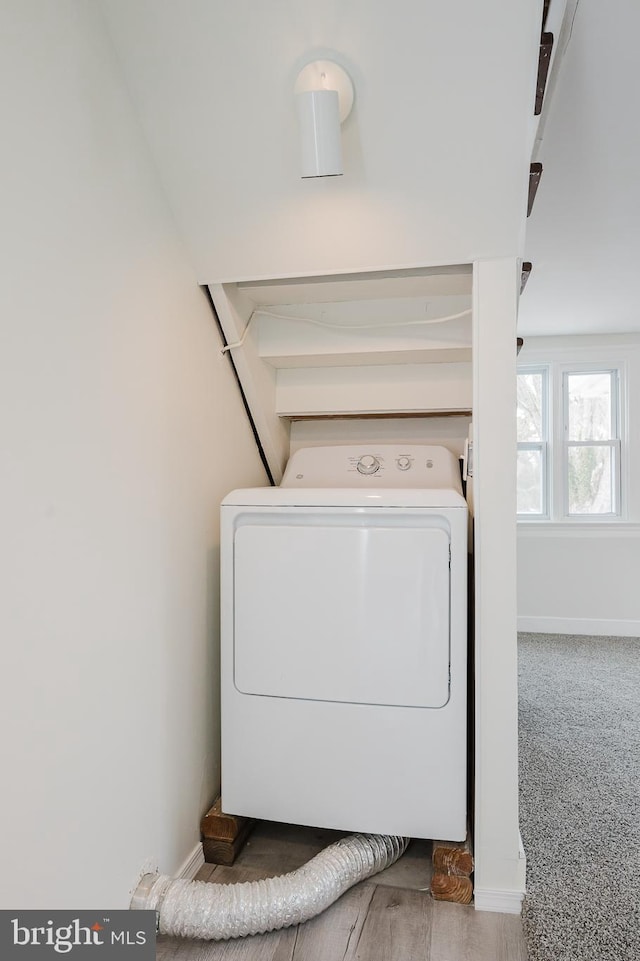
[323,323]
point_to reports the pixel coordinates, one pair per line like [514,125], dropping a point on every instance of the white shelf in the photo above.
[375,332]
[411,388]
[426,282]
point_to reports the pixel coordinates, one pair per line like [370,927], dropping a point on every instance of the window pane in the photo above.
[530,482]
[590,480]
[530,421]
[589,397]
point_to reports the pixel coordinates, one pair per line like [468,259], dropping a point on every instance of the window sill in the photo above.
[594,528]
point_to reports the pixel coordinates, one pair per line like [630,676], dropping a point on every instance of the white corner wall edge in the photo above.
[590,627]
[192,864]
[501,900]
[500,864]
[494,899]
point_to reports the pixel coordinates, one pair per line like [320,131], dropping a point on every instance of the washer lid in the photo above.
[281,497]
[371,466]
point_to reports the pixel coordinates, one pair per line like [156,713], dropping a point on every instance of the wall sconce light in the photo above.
[324,97]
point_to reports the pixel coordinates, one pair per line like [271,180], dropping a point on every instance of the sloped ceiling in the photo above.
[583,236]
[437,148]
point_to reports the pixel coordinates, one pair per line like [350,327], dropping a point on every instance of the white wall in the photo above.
[579,582]
[436,149]
[122,428]
[582,578]
[449,432]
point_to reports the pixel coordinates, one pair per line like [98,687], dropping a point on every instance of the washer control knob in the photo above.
[403,463]
[368,464]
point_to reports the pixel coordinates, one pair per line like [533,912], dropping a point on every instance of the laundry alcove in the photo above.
[303,364]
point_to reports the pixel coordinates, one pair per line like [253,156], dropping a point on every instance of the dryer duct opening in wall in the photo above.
[217,912]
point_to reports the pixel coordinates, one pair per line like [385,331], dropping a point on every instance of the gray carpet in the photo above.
[580,796]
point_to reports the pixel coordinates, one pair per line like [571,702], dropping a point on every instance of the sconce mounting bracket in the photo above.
[327,75]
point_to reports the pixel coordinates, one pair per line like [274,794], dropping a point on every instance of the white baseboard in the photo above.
[579,625]
[492,899]
[192,865]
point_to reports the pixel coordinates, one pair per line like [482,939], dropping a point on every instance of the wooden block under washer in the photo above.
[225,852]
[451,887]
[223,827]
[453,857]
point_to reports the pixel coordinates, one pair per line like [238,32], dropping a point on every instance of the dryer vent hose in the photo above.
[216,912]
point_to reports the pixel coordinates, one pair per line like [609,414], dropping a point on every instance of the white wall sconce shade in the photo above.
[324,97]
[320,141]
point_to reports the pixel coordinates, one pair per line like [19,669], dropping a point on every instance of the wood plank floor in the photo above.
[390,917]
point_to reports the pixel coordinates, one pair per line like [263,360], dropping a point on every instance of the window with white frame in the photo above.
[533,442]
[569,442]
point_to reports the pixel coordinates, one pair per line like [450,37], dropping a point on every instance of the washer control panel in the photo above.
[368,464]
[375,465]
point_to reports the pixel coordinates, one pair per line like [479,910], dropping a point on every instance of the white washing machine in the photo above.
[344,643]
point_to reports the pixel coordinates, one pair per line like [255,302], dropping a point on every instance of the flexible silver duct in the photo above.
[216,912]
